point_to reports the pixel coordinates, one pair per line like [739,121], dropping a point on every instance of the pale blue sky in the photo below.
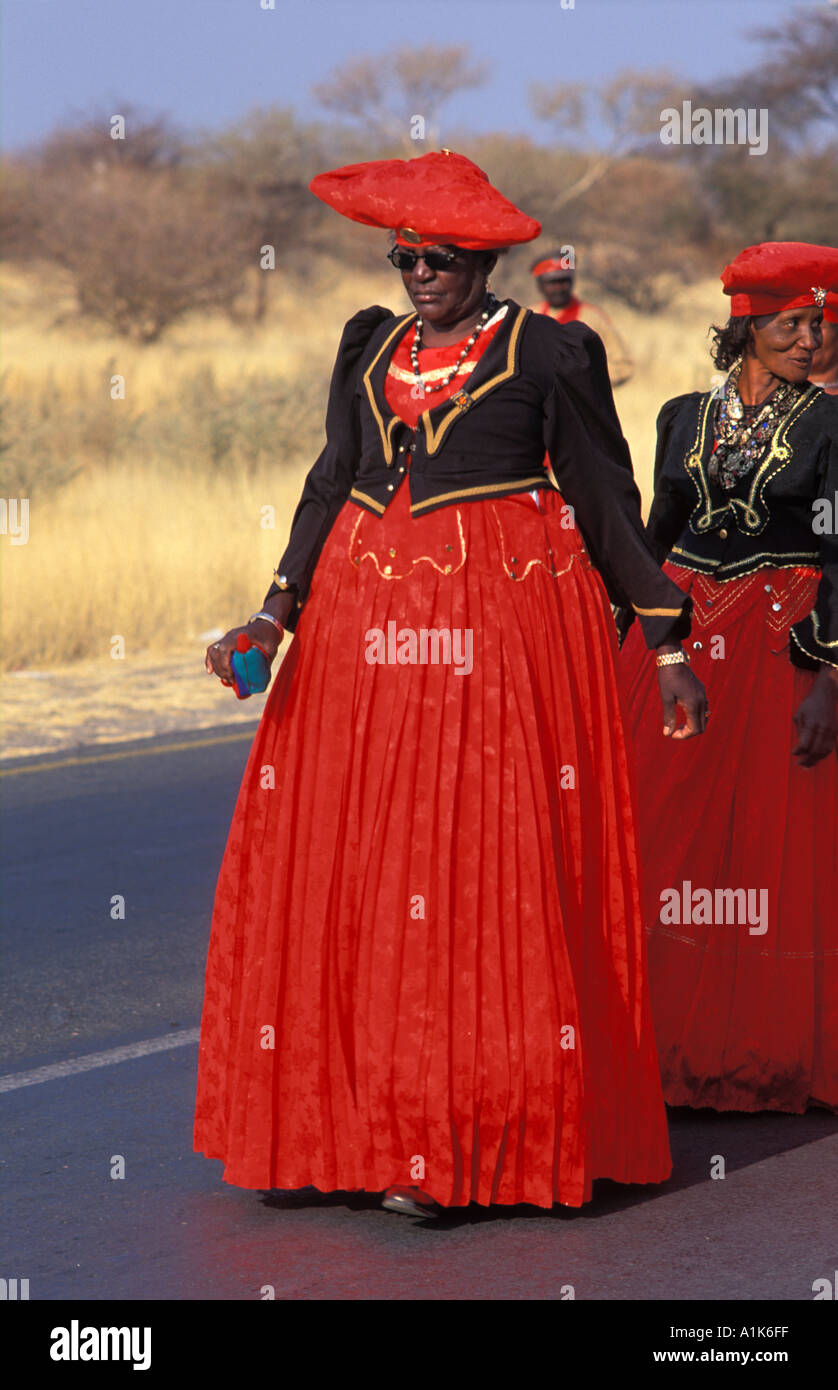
[206,62]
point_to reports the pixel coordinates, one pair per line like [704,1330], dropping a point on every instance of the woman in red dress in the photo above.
[738,848]
[426,971]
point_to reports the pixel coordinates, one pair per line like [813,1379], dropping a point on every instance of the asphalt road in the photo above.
[149,823]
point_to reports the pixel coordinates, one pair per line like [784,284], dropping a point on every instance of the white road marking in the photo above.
[128,752]
[15,1080]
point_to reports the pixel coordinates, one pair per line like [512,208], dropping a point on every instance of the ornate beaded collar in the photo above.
[742,436]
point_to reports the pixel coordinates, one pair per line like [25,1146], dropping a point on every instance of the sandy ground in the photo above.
[104,701]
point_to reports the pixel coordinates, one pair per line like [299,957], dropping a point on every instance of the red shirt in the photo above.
[566,315]
[403,398]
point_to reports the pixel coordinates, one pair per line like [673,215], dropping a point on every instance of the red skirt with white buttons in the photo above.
[745,1004]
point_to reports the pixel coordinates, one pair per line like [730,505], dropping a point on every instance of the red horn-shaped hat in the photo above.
[440,198]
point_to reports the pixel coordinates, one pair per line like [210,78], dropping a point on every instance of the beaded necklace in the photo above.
[743,434]
[491,306]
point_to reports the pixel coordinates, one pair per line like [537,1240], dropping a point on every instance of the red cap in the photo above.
[438,199]
[830,307]
[780,275]
[553,266]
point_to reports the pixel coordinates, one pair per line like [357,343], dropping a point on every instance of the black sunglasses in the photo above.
[403,259]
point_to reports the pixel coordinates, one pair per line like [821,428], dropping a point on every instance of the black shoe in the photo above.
[412,1201]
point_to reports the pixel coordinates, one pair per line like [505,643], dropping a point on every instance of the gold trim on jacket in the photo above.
[452,408]
[463,400]
[753,521]
[386,433]
[484,490]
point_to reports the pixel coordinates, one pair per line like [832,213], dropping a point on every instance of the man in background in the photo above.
[554,278]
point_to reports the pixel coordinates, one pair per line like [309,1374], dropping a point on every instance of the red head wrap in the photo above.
[780,275]
[438,199]
[553,266]
[830,308]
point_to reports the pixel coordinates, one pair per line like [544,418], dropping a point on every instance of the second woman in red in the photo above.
[739,847]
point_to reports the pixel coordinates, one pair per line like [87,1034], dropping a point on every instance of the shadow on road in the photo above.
[696,1138]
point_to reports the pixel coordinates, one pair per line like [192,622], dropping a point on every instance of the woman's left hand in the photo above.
[816,720]
[678,686]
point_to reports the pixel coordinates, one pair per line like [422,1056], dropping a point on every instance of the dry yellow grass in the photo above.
[42,334]
[160,544]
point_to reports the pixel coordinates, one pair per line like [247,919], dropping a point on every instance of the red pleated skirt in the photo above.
[426,963]
[745,1005]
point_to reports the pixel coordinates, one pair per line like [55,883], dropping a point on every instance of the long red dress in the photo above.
[746,1011]
[426,963]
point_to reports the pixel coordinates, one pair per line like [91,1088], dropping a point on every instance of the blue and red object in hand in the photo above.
[251,668]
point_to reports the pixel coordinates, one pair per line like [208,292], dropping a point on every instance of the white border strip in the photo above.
[75,1065]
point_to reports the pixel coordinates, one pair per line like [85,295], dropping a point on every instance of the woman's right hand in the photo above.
[218,654]
[217,659]
[816,720]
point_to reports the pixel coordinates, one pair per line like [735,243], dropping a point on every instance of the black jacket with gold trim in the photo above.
[783,513]
[538,387]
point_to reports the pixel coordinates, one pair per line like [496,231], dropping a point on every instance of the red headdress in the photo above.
[830,308]
[554,267]
[440,198]
[780,275]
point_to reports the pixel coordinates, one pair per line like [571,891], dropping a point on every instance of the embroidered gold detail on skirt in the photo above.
[522,567]
[782,599]
[389,570]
